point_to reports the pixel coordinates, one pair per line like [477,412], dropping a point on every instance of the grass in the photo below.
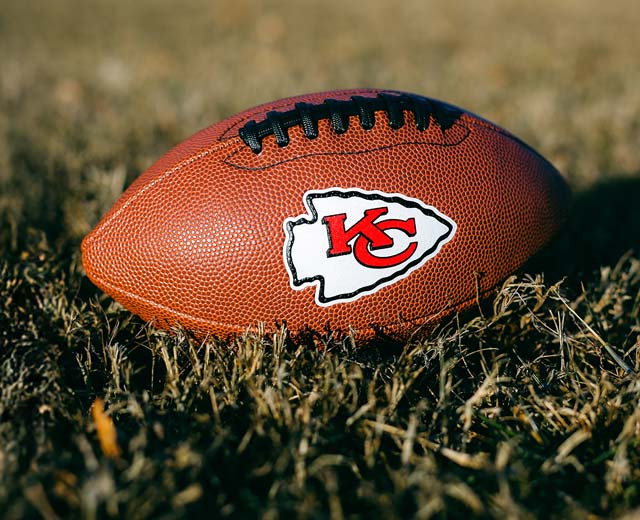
[524,408]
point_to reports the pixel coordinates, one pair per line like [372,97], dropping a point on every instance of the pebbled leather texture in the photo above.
[198,238]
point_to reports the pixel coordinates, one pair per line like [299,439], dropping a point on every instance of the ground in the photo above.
[525,407]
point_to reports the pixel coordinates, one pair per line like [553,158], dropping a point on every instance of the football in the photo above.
[356,211]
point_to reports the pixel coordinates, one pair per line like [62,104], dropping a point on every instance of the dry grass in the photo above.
[529,409]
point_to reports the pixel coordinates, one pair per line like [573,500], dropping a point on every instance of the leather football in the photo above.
[355,211]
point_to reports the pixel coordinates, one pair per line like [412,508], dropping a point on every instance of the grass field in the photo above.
[526,408]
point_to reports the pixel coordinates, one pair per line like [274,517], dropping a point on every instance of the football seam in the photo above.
[107,223]
[155,304]
[228,160]
[487,125]
[220,145]
[449,309]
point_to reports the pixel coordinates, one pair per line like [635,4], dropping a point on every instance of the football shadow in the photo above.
[603,226]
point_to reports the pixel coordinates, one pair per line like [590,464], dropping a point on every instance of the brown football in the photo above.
[356,211]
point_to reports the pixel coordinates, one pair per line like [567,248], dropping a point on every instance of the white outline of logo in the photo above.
[311,217]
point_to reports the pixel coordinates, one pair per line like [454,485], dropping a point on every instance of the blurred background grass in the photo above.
[92,92]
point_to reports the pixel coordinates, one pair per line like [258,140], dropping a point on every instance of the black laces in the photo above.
[338,112]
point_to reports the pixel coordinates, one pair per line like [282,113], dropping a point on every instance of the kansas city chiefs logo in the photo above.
[354,242]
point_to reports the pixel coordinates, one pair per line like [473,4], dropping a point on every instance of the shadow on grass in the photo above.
[604,225]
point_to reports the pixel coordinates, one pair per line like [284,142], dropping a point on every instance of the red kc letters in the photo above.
[370,236]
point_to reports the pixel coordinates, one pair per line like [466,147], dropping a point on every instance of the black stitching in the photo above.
[421,112]
[339,112]
[366,114]
[309,124]
[394,110]
[279,130]
[339,121]
[249,134]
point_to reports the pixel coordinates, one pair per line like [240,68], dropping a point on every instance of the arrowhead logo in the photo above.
[353,242]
